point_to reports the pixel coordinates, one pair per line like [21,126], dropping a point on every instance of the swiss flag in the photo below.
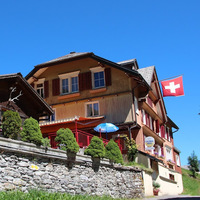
[173,87]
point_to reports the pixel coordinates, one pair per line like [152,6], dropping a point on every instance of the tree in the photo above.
[66,140]
[193,164]
[31,131]
[11,124]
[96,148]
[113,152]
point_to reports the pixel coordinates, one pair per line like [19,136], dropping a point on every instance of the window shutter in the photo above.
[162,131]
[56,87]
[85,81]
[80,82]
[46,89]
[88,81]
[147,119]
[157,126]
[108,76]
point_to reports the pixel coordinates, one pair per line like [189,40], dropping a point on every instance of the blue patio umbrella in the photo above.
[106,128]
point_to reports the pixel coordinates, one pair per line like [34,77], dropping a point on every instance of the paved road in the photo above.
[179,197]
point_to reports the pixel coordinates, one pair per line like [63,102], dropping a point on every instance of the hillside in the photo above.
[191,186]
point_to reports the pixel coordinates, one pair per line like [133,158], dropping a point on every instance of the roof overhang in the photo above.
[30,102]
[38,69]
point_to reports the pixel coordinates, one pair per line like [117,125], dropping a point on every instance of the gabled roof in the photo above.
[147,73]
[75,56]
[30,102]
[61,59]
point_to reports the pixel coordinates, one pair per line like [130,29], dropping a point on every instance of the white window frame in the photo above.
[136,105]
[41,89]
[92,102]
[150,122]
[166,133]
[68,76]
[144,117]
[168,153]
[95,70]
[178,163]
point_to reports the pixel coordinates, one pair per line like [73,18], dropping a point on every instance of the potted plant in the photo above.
[31,132]
[113,152]
[67,142]
[96,150]
[156,187]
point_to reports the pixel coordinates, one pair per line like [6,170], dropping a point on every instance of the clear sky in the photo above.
[164,33]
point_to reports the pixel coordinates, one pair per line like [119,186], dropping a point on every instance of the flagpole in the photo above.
[167,78]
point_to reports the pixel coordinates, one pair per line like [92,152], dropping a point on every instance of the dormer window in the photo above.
[69,82]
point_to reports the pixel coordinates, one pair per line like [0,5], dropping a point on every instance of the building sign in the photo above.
[149,143]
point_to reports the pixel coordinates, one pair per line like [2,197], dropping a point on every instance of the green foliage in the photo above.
[193,164]
[31,132]
[66,140]
[11,124]
[46,142]
[113,152]
[96,148]
[156,185]
[191,185]
[139,165]
[132,148]
[44,195]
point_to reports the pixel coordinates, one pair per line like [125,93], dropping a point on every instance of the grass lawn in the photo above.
[191,185]
[42,195]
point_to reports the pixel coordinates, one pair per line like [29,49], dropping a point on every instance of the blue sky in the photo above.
[161,33]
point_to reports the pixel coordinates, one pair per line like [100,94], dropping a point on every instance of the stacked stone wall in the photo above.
[24,166]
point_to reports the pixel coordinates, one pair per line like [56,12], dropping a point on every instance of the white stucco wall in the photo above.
[168,186]
[148,188]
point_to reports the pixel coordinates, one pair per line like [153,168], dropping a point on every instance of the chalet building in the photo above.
[85,90]
[17,95]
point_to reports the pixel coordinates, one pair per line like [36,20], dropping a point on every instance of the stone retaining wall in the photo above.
[24,166]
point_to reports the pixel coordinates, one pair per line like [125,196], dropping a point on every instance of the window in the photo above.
[136,105]
[143,117]
[98,77]
[171,177]
[178,160]
[168,153]
[69,82]
[39,87]
[92,109]
[53,116]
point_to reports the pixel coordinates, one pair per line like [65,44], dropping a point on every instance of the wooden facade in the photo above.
[86,86]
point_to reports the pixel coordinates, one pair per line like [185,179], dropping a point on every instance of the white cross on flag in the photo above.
[173,87]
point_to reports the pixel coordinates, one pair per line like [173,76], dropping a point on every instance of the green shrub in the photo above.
[156,185]
[113,152]
[31,132]
[96,148]
[46,142]
[132,148]
[66,140]
[11,124]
